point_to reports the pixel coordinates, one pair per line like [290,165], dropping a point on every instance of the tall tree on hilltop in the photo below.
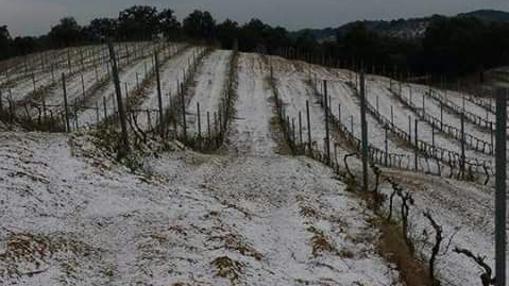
[168,24]
[102,28]
[200,25]
[5,42]
[65,33]
[253,35]
[227,33]
[138,23]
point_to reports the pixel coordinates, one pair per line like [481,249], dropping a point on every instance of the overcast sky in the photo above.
[35,17]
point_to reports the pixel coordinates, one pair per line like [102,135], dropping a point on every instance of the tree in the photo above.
[360,43]
[455,45]
[168,24]
[102,28]
[277,39]
[253,36]
[227,33]
[138,23]
[306,44]
[200,25]
[66,33]
[26,45]
[5,42]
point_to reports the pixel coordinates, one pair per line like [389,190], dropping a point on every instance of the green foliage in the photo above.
[168,24]
[227,33]
[200,25]
[451,45]
[5,39]
[101,28]
[65,33]
[138,23]
[464,44]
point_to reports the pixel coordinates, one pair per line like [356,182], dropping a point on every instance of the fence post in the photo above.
[500,185]
[220,118]
[416,162]
[462,142]
[351,125]
[410,129]
[392,116]
[433,136]
[441,116]
[424,103]
[410,94]
[83,88]
[199,118]
[69,60]
[33,82]
[66,107]
[386,142]
[116,81]
[44,107]
[309,125]
[184,123]
[159,96]
[364,133]
[300,127]
[327,138]
[339,113]
[491,139]
[104,108]
[208,125]
[293,131]
[11,111]
[126,91]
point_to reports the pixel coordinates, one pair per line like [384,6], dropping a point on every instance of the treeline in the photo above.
[450,46]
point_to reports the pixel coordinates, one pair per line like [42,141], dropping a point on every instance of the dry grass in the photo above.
[309,212]
[39,251]
[237,243]
[227,268]
[282,147]
[320,243]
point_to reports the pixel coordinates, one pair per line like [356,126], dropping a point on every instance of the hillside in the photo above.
[228,180]
[412,28]
[488,15]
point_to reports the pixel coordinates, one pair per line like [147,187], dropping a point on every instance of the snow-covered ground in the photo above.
[171,75]
[466,213]
[401,115]
[250,131]
[209,88]
[70,215]
[130,77]
[48,73]
[294,90]
[87,63]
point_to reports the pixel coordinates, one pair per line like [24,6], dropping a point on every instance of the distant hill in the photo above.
[412,28]
[401,28]
[488,15]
